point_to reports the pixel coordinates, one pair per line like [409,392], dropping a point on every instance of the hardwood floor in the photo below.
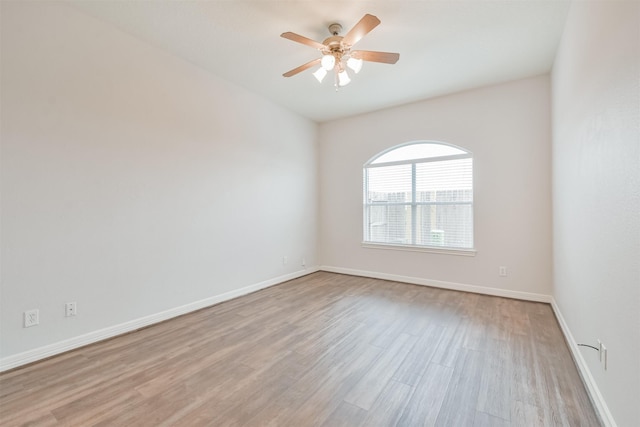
[323,350]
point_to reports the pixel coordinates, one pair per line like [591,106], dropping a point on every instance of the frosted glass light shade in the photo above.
[354,64]
[328,62]
[319,74]
[343,78]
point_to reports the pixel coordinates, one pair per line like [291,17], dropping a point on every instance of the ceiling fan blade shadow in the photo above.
[301,68]
[302,39]
[372,56]
[366,24]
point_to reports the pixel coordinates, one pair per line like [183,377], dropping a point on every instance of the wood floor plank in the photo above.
[483,419]
[413,366]
[525,414]
[461,400]
[365,393]
[320,396]
[426,401]
[495,391]
[345,415]
[387,409]
[451,344]
[325,349]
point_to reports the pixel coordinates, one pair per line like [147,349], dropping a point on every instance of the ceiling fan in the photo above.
[336,51]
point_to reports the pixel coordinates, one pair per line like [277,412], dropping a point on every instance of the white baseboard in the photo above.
[40,353]
[527,296]
[592,388]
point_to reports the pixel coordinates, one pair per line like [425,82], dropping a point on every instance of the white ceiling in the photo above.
[444,46]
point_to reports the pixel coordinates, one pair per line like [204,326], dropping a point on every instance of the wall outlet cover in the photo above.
[31,318]
[70,309]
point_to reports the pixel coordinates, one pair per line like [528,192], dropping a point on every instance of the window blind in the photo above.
[425,201]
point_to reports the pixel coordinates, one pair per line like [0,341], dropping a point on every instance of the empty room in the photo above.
[341,213]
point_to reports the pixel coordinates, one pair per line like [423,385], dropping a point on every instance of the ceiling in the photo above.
[444,46]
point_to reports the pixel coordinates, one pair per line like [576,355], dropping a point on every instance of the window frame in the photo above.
[413,203]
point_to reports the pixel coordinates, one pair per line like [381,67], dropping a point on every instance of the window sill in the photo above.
[412,248]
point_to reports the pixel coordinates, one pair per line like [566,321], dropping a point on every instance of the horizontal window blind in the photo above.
[426,201]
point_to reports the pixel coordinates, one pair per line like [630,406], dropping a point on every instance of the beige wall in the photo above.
[507,128]
[596,194]
[134,182]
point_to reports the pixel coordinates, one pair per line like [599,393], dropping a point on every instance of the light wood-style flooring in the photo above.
[323,350]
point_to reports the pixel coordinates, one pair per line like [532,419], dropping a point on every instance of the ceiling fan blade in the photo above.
[366,24]
[372,56]
[302,68]
[302,39]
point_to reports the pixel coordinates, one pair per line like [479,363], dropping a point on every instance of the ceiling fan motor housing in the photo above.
[334,43]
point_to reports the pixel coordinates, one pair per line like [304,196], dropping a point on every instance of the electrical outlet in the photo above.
[31,318]
[304,262]
[70,309]
[502,271]
[285,259]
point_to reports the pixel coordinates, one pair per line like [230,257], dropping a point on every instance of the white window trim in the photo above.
[417,248]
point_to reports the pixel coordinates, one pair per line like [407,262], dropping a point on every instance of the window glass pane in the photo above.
[391,184]
[418,151]
[389,224]
[450,175]
[444,225]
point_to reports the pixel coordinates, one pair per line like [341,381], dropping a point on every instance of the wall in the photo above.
[507,127]
[596,195]
[134,182]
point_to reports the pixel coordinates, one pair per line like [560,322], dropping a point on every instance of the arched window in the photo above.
[420,194]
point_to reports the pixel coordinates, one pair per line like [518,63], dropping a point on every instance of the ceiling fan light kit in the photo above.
[354,64]
[337,54]
[320,74]
[328,62]
[343,78]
